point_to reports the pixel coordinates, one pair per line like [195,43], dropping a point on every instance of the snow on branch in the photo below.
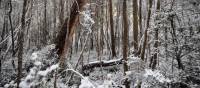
[102,63]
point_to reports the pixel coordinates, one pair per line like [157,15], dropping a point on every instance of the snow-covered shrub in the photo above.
[42,67]
[39,65]
[154,79]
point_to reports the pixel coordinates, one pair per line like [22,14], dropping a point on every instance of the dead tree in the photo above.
[65,38]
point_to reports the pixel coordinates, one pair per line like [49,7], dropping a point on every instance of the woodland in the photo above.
[99,43]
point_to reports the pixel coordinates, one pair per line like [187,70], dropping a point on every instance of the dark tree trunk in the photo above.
[140,18]
[45,27]
[20,43]
[125,42]
[135,24]
[180,64]
[112,30]
[11,28]
[61,15]
[75,9]
[54,19]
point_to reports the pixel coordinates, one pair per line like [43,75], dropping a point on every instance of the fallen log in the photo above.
[102,64]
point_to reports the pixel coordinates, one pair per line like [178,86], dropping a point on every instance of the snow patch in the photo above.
[48,70]
[85,83]
[157,75]
[34,56]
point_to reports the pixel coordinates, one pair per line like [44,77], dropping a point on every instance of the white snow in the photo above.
[158,76]
[37,63]
[108,82]
[34,56]
[105,61]
[48,70]
[85,83]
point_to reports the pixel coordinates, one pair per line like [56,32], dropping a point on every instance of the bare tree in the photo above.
[11,27]
[146,30]
[135,24]
[154,57]
[112,29]
[140,17]
[45,26]
[125,42]
[61,10]
[20,43]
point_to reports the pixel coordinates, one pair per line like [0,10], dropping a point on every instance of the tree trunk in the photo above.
[135,24]
[140,18]
[11,28]
[155,54]
[20,43]
[175,42]
[76,8]
[45,27]
[146,30]
[12,33]
[125,42]
[112,30]
[54,18]
[61,12]
[0,3]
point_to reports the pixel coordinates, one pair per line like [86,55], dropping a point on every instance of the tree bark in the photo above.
[76,8]
[45,27]
[154,58]
[54,18]
[125,42]
[11,28]
[146,30]
[140,18]
[20,43]
[135,24]
[112,30]
[61,12]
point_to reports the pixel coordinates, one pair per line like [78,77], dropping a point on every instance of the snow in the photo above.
[34,56]
[108,82]
[6,86]
[157,75]
[38,58]
[109,76]
[85,83]
[114,60]
[37,63]
[105,61]
[128,72]
[87,20]
[48,70]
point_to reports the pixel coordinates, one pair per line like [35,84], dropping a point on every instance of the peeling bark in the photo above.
[73,20]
